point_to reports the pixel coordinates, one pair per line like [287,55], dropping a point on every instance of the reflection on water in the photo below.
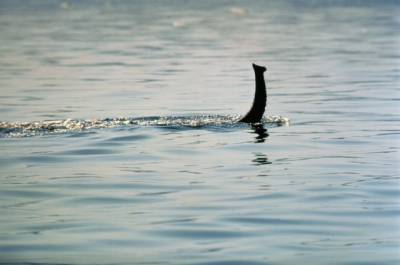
[261,159]
[260,131]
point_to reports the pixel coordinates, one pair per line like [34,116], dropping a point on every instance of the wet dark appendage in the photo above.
[260,98]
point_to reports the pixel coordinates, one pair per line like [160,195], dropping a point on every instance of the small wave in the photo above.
[26,129]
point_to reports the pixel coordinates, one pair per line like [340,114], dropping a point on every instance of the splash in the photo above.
[26,129]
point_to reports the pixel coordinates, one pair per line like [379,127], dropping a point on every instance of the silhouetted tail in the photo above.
[260,98]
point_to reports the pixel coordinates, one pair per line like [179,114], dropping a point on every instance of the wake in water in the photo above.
[26,129]
[254,117]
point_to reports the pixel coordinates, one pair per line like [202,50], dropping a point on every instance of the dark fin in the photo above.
[260,98]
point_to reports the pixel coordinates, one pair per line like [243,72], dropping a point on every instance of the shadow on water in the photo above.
[260,131]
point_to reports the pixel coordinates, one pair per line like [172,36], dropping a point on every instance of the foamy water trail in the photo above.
[26,129]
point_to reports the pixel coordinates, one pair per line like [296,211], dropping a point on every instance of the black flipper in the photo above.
[260,98]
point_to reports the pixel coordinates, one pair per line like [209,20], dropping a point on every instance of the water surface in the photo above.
[119,143]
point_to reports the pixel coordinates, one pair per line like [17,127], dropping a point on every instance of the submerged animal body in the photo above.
[256,111]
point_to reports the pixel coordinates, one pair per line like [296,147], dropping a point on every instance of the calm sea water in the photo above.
[119,143]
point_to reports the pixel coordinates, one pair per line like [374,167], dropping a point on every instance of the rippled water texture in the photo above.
[178,181]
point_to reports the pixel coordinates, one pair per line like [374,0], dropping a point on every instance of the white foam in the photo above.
[26,129]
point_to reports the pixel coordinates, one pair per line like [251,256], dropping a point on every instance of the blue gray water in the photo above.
[119,143]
